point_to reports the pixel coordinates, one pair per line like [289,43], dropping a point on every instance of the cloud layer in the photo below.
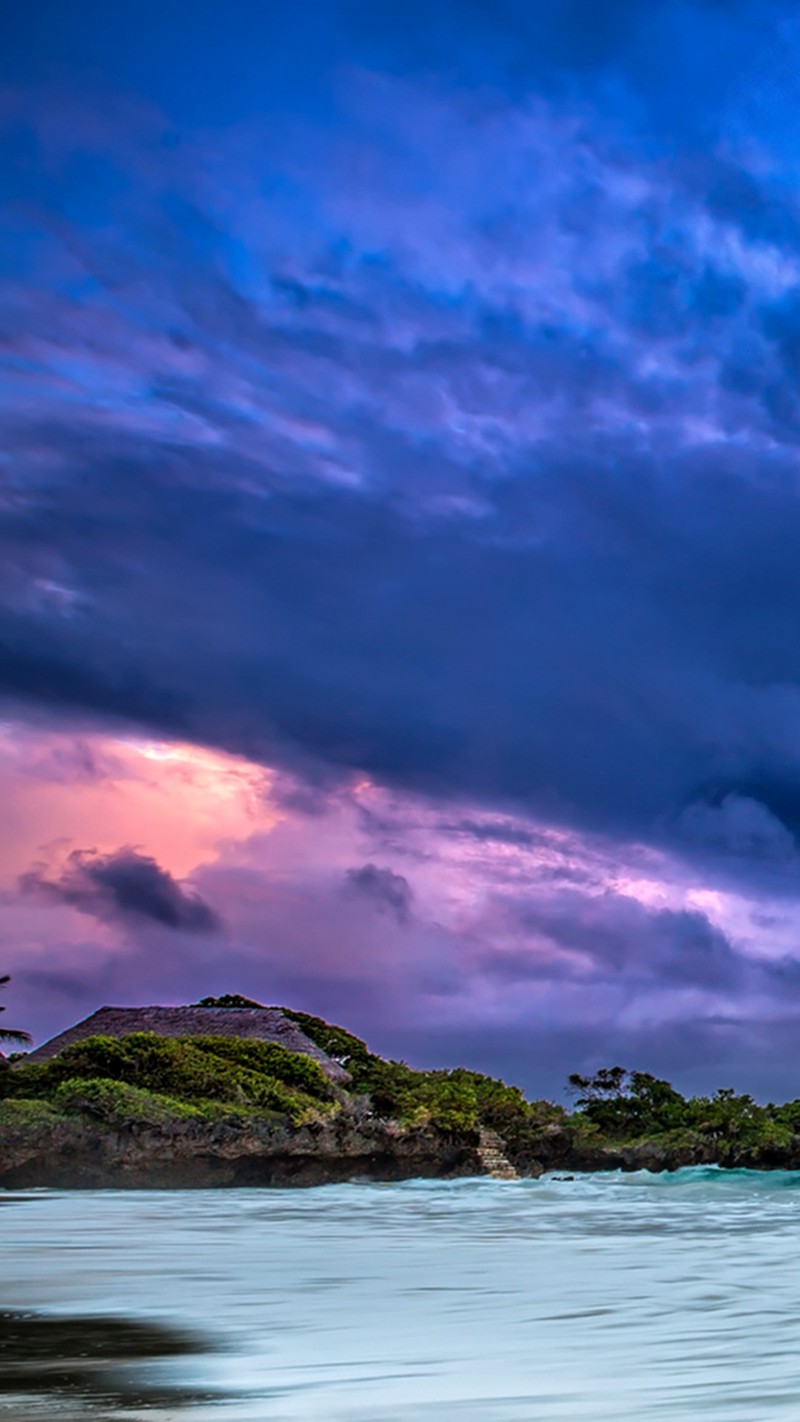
[466,457]
[415,407]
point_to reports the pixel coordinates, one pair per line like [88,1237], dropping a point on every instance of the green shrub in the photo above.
[272,1095]
[788,1115]
[171,1065]
[27,1111]
[292,1068]
[118,1103]
[184,1069]
[346,1049]
[452,1100]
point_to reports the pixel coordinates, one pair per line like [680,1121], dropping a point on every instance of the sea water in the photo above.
[601,1297]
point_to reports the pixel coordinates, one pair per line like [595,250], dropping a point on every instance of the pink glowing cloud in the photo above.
[374,906]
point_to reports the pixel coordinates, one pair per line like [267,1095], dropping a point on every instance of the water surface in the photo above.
[604,1297]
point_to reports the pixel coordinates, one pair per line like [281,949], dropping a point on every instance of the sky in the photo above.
[400,524]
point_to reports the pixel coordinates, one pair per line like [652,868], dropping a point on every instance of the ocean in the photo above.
[624,1297]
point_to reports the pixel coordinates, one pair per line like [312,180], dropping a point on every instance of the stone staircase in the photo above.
[492,1157]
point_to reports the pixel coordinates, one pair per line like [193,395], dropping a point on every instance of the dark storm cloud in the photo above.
[698,1054]
[621,936]
[389,891]
[607,691]
[124,885]
[474,469]
[609,938]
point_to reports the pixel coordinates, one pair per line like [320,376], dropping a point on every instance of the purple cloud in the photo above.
[390,892]
[442,436]
[126,885]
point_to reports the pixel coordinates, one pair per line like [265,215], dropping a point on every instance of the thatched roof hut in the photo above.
[266,1024]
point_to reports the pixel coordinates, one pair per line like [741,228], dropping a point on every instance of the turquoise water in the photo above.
[604,1297]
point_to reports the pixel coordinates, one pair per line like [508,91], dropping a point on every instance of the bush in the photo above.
[292,1068]
[117,1103]
[172,1065]
[349,1051]
[27,1111]
[184,1069]
[452,1100]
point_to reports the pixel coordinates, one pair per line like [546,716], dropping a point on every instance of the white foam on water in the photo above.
[604,1297]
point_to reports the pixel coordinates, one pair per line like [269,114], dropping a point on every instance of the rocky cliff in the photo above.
[80,1154]
[83,1154]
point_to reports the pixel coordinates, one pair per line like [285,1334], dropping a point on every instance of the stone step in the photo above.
[493,1158]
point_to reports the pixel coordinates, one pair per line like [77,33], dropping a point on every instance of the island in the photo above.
[229,1092]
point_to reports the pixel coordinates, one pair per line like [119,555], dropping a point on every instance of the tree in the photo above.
[625,1103]
[607,1084]
[7,1034]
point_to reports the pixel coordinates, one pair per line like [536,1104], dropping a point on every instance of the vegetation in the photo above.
[150,1079]
[453,1100]
[630,1106]
[8,1034]
[147,1080]
[24,1111]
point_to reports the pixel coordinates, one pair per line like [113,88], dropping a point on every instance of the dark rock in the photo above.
[76,1154]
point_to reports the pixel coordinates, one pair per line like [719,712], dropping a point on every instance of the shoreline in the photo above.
[83,1155]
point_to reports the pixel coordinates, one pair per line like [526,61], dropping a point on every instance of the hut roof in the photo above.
[267,1024]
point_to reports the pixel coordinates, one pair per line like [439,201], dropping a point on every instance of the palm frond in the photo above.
[7,1034]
